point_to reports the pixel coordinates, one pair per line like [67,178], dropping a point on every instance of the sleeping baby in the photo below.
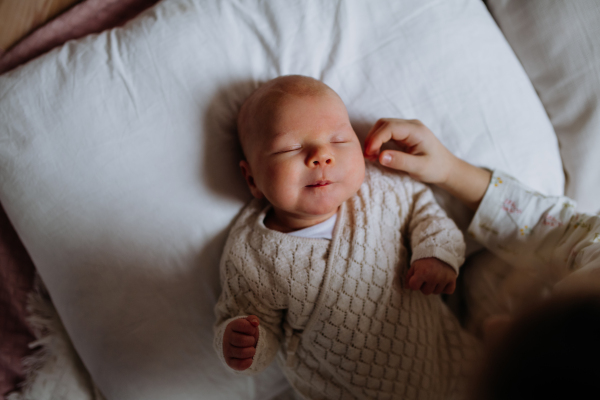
[316,272]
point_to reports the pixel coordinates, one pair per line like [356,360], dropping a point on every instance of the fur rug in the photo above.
[54,371]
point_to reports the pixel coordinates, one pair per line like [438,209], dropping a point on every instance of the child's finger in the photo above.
[374,129]
[242,340]
[373,146]
[387,129]
[401,161]
[438,289]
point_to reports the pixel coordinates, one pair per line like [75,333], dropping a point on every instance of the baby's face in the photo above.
[306,159]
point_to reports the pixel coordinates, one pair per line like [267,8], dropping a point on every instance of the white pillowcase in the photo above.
[118,156]
[558,44]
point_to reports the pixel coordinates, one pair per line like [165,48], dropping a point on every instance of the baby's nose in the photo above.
[321,158]
[324,160]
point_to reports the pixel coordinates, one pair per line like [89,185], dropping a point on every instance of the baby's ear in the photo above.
[247,172]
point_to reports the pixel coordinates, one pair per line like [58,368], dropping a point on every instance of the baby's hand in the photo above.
[430,275]
[239,342]
[422,155]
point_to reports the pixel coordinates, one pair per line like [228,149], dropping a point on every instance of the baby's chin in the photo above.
[321,210]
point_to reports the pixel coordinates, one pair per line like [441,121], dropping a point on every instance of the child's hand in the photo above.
[239,342]
[422,155]
[430,275]
[425,158]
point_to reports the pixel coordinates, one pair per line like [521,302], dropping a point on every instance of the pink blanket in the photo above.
[90,16]
[16,268]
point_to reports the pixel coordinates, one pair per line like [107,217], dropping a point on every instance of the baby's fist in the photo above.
[430,275]
[239,342]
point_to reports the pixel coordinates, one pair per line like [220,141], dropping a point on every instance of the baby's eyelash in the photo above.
[289,149]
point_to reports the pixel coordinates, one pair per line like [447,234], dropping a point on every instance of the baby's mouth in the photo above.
[319,184]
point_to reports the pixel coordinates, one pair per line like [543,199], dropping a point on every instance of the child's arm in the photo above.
[247,332]
[521,226]
[542,233]
[424,158]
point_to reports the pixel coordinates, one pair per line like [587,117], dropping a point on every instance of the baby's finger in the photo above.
[427,288]
[242,340]
[242,325]
[438,289]
[239,364]
[410,273]
[415,282]
[449,289]
[241,352]
[253,319]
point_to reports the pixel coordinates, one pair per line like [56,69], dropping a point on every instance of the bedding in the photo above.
[19,18]
[16,277]
[118,160]
[557,44]
[16,268]
[89,16]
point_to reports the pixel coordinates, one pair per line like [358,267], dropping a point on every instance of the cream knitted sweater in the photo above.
[329,309]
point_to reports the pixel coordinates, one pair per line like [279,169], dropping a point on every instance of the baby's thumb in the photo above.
[253,319]
[400,161]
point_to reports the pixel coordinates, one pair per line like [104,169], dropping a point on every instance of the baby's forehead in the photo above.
[263,105]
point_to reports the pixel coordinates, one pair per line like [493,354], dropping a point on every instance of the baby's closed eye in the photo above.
[340,139]
[288,149]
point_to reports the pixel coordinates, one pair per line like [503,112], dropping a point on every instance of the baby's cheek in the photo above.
[281,189]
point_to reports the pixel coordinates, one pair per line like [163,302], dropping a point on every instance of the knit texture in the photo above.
[330,309]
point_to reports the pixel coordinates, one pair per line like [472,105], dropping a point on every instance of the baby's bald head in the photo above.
[302,154]
[264,101]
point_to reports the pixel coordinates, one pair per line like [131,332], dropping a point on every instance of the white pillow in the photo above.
[559,47]
[118,156]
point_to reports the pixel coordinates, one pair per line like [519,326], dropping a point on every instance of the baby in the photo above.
[309,267]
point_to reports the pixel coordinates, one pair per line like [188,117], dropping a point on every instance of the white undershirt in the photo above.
[322,230]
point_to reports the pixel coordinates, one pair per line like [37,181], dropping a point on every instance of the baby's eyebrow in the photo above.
[341,126]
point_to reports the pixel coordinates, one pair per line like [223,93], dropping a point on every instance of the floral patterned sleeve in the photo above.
[530,230]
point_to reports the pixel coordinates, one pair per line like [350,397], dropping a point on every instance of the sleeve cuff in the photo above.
[439,253]
[482,226]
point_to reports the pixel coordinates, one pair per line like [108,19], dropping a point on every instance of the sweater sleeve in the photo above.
[530,230]
[239,300]
[432,232]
